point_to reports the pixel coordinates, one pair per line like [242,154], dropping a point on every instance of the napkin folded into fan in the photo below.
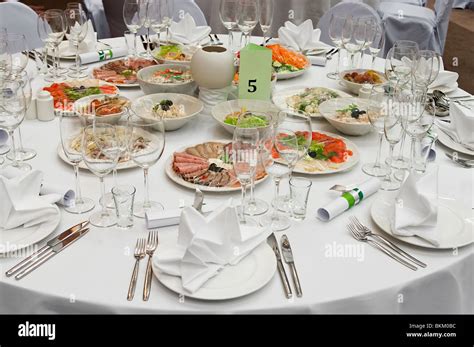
[207,244]
[416,207]
[87,45]
[187,32]
[22,204]
[462,124]
[445,79]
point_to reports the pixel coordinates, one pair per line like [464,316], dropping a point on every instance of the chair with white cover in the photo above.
[20,19]
[420,24]
[346,8]
[410,2]
[181,7]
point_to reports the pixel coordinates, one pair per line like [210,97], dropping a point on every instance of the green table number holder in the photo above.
[255,72]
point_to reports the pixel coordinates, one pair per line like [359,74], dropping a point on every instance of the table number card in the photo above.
[255,72]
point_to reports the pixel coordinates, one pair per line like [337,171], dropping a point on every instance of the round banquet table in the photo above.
[93,275]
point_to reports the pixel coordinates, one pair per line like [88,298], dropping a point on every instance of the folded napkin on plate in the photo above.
[445,79]
[462,124]
[187,32]
[87,45]
[416,207]
[55,193]
[207,244]
[302,38]
[106,54]
[22,203]
[3,137]
[168,217]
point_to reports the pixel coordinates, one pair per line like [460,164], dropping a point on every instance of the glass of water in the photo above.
[124,196]
[299,192]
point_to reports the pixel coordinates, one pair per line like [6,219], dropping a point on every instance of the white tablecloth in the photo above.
[93,275]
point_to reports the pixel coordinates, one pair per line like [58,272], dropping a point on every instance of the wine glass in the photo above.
[393,131]
[5,57]
[378,42]
[19,53]
[145,147]
[167,10]
[266,18]
[154,17]
[76,21]
[336,24]
[12,113]
[71,131]
[376,110]
[426,68]
[371,27]
[248,18]
[354,34]
[403,60]
[229,16]
[244,162]
[134,12]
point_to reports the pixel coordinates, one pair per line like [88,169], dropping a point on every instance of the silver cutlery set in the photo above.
[362,233]
[143,248]
[52,248]
[289,260]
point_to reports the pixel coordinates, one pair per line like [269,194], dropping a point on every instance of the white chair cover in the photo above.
[97,14]
[419,24]
[411,2]
[356,9]
[462,3]
[20,19]
[181,7]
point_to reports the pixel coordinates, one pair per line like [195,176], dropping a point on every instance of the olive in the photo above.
[312,154]
[165,107]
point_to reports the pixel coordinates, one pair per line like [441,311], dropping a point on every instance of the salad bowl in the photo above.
[149,84]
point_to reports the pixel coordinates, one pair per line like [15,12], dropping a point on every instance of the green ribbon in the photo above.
[351,199]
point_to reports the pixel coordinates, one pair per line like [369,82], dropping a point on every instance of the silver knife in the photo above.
[288,256]
[53,251]
[51,243]
[272,241]
[198,200]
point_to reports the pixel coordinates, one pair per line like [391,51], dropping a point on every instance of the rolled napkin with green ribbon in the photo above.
[105,54]
[349,199]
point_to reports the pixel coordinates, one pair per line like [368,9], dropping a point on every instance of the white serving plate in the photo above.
[446,141]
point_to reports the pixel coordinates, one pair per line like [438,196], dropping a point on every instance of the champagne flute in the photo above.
[18,52]
[370,30]
[154,16]
[78,6]
[134,17]
[336,24]
[76,21]
[377,43]
[248,18]
[5,56]
[393,131]
[266,18]
[71,131]
[353,37]
[244,161]
[145,147]
[229,16]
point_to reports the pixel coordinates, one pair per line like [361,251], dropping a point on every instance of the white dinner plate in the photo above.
[350,163]
[233,281]
[279,98]
[455,223]
[288,75]
[446,141]
[19,238]
[177,179]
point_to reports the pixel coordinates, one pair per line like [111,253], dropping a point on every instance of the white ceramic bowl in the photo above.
[82,108]
[147,87]
[355,87]
[222,110]
[143,107]
[328,111]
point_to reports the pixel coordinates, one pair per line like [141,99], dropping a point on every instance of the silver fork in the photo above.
[139,254]
[151,245]
[358,236]
[367,232]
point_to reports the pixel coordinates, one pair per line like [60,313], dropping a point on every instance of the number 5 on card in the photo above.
[255,72]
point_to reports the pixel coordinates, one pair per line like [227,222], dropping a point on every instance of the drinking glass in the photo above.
[403,60]
[12,113]
[393,131]
[244,161]
[426,68]
[124,196]
[248,18]
[229,16]
[336,25]
[130,39]
[266,18]
[5,57]
[76,21]
[299,192]
[145,147]
[354,34]
[370,28]
[154,17]
[376,111]
[378,42]
[100,154]
[134,17]
[18,50]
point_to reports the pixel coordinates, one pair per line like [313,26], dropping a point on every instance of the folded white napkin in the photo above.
[22,204]
[318,60]
[462,124]
[428,143]
[87,45]
[416,207]
[187,32]
[301,37]
[171,216]
[105,54]
[208,244]
[444,79]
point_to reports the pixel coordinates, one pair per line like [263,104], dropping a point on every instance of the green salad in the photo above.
[75,93]
[247,121]
[283,68]
[171,52]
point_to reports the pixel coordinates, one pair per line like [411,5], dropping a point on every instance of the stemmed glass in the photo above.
[12,113]
[18,52]
[354,35]
[266,17]
[100,154]
[145,147]
[5,56]
[76,21]
[378,41]
[229,15]
[426,68]
[78,6]
[244,161]
[370,27]
[134,12]
[376,110]
[336,25]
[71,130]
[154,17]
[249,14]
